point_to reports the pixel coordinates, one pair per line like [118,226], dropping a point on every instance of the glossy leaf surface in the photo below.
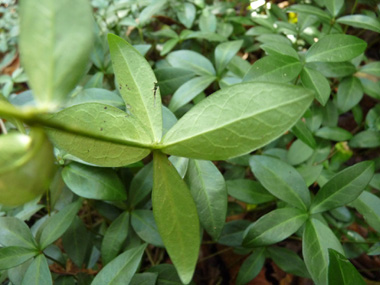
[251,266]
[273,227]
[176,217]
[38,272]
[11,256]
[121,269]
[233,121]
[281,180]
[93,182]
[314,80]
[14,232]
[192,61]
[343,188]
[145,227]
[361,21]
[224,52]
[368,205]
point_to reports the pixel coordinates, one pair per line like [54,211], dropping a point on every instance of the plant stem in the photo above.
[3,128]
[34,118]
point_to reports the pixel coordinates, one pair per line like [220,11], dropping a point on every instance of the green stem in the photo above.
[34,118]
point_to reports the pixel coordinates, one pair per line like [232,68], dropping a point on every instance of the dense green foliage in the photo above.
[154,127]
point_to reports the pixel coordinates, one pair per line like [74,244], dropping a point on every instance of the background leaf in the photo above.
[62,40]
[251,266]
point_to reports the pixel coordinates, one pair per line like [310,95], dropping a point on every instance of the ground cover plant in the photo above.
[189,142]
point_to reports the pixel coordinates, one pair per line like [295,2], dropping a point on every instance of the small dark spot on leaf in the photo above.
[105,108]
[104,121]
[88,150]
[101,129]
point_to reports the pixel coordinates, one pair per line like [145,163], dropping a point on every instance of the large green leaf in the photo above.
[14,232]
[208,189]
[341,271]
[281,180]
[317,239]
[38,272]
[192,61]
[55,43]
[26,166]
[224,52]
[12,256]
[137,85]
[314,80]
[121,269]
[274,68]
[361,21]
[343,188]
[336,48]
[145,227]
[251,267]
[105,122]
[367,204]
[189,91]
[273,227]
[115,237]
[176,217]
[93,182]
[236,120]
[57,224]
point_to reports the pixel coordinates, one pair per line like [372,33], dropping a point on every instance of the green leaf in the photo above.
[366,139]
[191,61]
[315,81]
[171,78]
[207,21]
[186,14]
[189,91]
[274,68]
[76,241]
[334,134]
[334,6]
[22,156]
[298,152]
[62,40]
[57,224]
[141,185]
[341,271]
[372,68]
[280,50]
[166,274]
[12,256]
[273,227]
[303,133]
[336,48]
[281,180]
[149,11]
[93,182]
[248,191]
[311,10]
[145,227]
[146,278]
[317,239]
[343,188]
[333,69]
[224,52]
[114,237]
[38,272]
[350,93]
[176,217]
[367,204]
[361,21]
[14,232]
[122,268]
[232,233]
[107,122]
[137,85]
[209,36]
[208,188]
[168,46]
[288,261]
[98,95]
[251,267]
[235,120]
